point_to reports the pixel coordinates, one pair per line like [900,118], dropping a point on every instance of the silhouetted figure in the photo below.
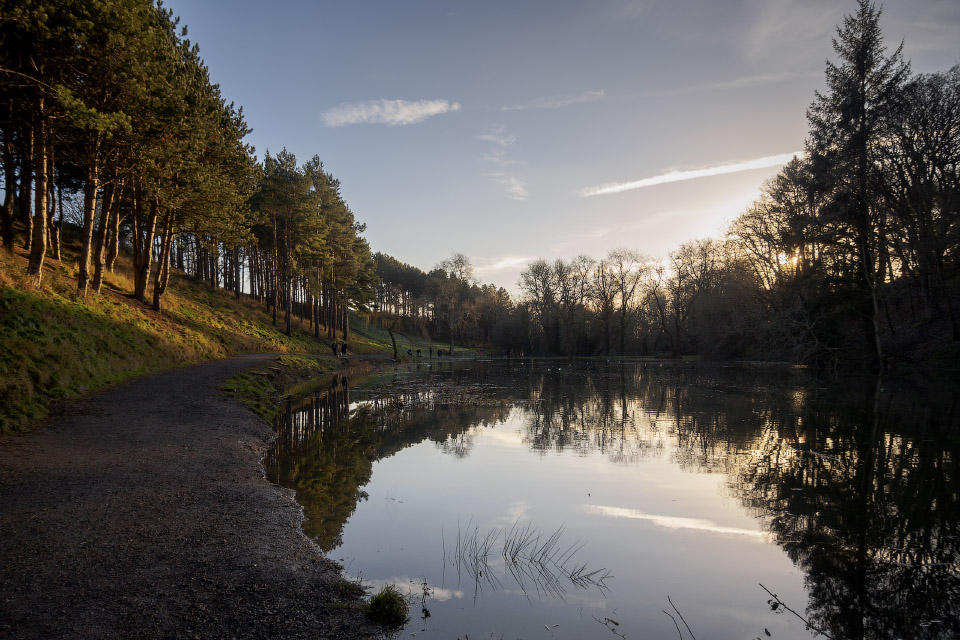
[343,350]
[431,352]
[418,353]
[409,352]
[439,353]
[334,347]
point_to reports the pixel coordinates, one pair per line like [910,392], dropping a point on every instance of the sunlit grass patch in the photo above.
[262,388]
[56,344]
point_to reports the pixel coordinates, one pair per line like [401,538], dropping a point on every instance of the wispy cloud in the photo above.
[742,82]
[498,136]
[787,29]
[676,176]
[557,102]
[391,112]
[515,188]
[670,522]
[499,154]
[500,157]
[505,263]
[502,141]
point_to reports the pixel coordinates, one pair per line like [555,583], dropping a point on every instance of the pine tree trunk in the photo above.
[237,274]
[275,281]
[26,188]
[288,301]
[89,213]
[113,249]
[10,185]
[144,228]
[163,262]
[107,214]
[214,266]
[38,244]
[274,291]
[53,231]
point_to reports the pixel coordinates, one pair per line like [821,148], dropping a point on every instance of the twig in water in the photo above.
[681,618]
[607,621]
[679,633]
[778,603]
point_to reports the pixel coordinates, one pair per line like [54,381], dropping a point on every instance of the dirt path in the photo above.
[144,513]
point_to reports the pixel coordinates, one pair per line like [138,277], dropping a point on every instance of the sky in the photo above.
[516,130]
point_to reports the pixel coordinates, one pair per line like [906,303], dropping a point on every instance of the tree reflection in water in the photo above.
[326,453]
[857,483]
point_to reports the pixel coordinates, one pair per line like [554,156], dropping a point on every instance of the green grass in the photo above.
[261,388]
[364,333]
[55,345]
[389,608]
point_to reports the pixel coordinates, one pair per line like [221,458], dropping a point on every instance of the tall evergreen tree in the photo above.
[848,125]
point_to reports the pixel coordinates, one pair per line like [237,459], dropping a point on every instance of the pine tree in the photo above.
[847,128]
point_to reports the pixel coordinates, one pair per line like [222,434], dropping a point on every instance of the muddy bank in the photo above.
[142,511]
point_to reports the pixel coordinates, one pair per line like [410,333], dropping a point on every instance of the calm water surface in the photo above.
[549,499]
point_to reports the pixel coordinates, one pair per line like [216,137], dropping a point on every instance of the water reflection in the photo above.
[326,455]
[857,483]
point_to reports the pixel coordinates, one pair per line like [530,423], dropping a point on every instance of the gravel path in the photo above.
[143,512]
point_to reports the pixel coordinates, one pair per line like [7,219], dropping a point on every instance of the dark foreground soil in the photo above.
[143,512]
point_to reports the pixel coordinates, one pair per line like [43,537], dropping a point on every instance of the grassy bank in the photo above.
[55,345]
[262,388]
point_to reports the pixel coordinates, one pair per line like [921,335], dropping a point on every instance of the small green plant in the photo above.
[389,607]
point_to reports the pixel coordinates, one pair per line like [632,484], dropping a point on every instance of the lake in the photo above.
[623,498]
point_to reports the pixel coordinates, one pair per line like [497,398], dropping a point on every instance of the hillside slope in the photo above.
[55,345]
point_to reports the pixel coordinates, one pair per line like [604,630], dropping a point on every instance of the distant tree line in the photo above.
[851,253]
[445,304]
[108,99]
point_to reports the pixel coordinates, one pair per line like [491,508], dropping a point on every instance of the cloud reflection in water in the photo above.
[671,522]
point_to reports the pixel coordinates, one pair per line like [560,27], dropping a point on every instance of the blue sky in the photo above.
[489,128]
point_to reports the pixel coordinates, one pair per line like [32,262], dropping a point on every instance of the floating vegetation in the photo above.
[538,563]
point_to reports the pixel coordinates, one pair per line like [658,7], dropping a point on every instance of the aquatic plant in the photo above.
[535,561]
[389,607]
